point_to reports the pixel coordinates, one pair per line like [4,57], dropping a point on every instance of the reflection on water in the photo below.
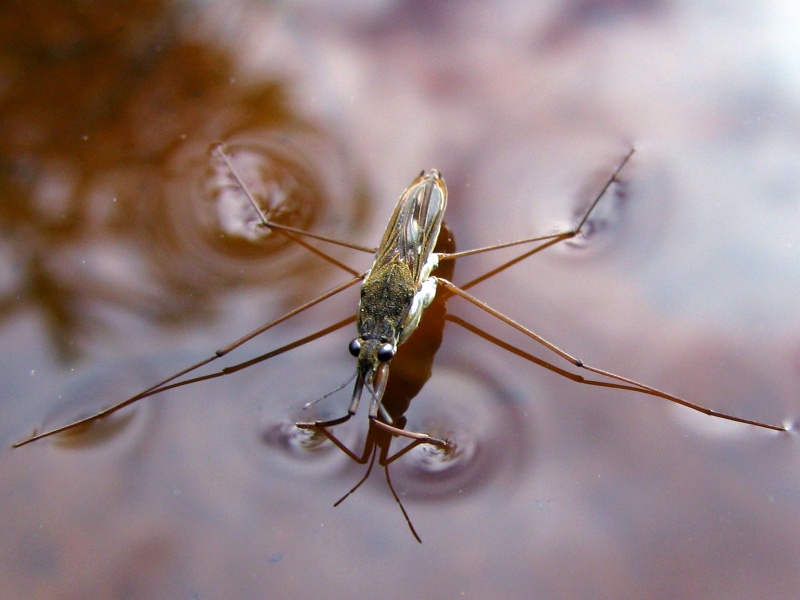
[123,237]
[111,198]
[214,236]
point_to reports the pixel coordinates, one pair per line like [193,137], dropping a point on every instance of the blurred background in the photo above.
[128,253]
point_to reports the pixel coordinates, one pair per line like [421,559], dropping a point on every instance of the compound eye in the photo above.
[355,347]
[386,353]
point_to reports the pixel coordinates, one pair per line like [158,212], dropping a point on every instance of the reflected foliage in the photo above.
[97,102]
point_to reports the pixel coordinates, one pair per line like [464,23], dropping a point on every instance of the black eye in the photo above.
[386,353]
[355,347]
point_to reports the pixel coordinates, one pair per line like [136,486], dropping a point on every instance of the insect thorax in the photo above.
[386,297]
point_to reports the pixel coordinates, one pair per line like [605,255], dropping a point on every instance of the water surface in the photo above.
[127,255]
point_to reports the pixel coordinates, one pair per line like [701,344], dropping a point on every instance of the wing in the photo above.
[414,226]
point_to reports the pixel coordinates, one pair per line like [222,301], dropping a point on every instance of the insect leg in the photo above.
[368,445]
[219,150]
[289,315]
[640,387]
[163,385]
[419,438]
[397,499]
[552,237]
[384,460]
[360,481]
[351,410]
[253,361]
[367,455]
[542,363]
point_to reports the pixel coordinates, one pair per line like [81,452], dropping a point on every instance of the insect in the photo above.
[395,292]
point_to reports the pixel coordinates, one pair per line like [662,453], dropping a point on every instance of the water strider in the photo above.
[395,292]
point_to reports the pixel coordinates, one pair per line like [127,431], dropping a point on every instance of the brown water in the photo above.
[127,255]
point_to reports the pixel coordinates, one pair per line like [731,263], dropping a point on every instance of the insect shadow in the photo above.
[408,272]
